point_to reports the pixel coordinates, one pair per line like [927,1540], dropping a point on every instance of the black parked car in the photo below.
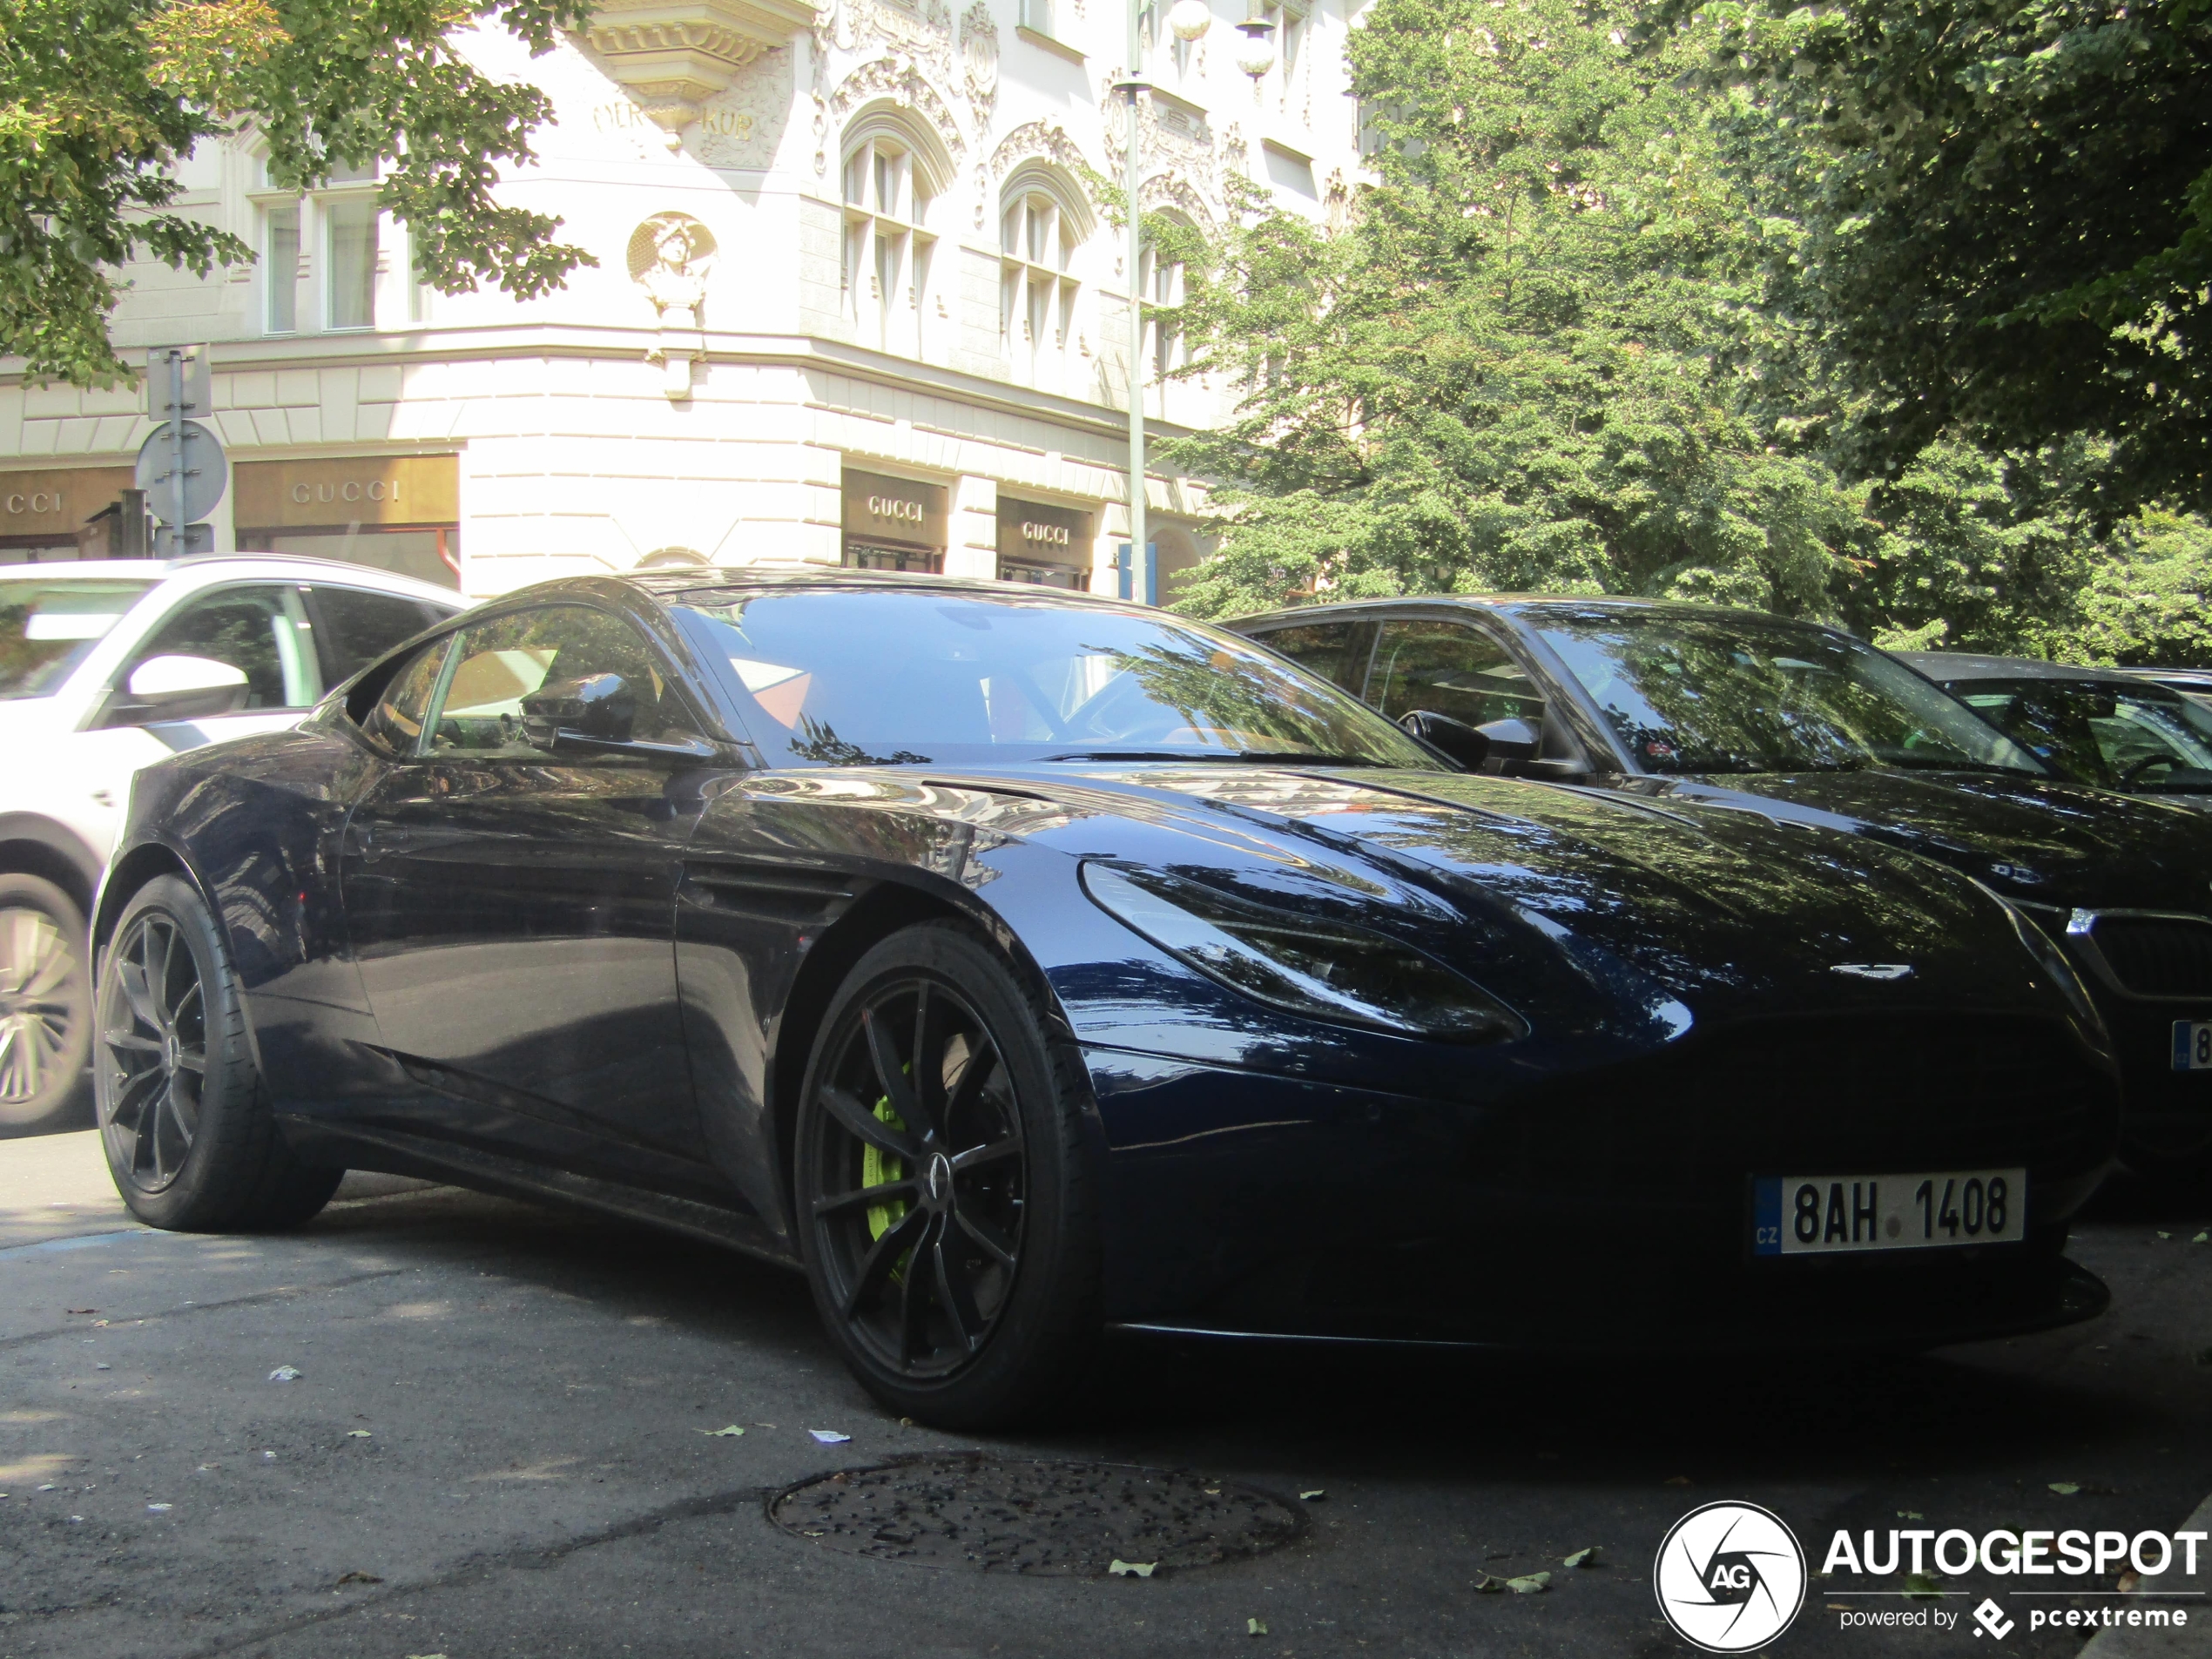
[1674,703]
[1023,963]
[2096,726]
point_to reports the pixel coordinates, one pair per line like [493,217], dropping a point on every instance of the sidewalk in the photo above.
[2195,1641]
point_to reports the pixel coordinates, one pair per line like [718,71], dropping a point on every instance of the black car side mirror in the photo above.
[1469,746]
[598,712]
[1511,740]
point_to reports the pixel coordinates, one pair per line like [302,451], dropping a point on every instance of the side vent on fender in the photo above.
[797,897]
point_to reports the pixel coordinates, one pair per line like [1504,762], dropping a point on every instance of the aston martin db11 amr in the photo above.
[1677,703]
[1022,964]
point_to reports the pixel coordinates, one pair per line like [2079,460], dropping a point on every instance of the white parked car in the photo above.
[105,667]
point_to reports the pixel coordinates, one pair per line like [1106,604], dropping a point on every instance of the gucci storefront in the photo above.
[399,512]
[1049,547]
[44,515]
[894,524]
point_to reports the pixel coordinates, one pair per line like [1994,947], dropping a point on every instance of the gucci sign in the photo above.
[891,507]
[350,490]
[1049,535]
[40,501]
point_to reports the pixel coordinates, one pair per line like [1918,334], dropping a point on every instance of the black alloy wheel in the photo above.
[918,1193]
[45,1004]
[153,1044]
[943,1214]
[185,1124]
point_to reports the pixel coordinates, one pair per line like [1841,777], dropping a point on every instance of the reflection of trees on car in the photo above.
[1223,698]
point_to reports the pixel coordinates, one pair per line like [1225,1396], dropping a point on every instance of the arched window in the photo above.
[1041,226]
[1160,281]
[890,178]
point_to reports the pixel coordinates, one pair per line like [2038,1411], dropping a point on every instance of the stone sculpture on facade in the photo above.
[671,255]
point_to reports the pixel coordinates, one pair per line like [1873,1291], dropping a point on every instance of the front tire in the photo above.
[945,1206]
[45,1005]
[190,1138]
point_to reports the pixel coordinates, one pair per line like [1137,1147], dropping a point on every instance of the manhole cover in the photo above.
[965,1509]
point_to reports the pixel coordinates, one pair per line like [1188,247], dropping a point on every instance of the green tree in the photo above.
[1534,359]
[100,98]
[2147,604]
[2007,216]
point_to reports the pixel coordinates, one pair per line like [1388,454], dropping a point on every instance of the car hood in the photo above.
[2039,841]
[1681,909]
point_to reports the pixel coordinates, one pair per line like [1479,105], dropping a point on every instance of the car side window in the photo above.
[502,662]
[1449,668]
[258,630]
[396,720]
[1329,649]
[355,627]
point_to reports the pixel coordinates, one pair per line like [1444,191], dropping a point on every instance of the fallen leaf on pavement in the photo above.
[1255,1627]
[286,1373]
[722,1434]
[1582,1558]
[2064,1489]
[2201,1238]
[1130,1569]
[80,1309]
[1678,1480]
[159,1508]
[1922,1585]
[1528,1583]
[829,1436]
[2129,1581]
[358,1434]
[1910,1514]
[359,1578]
[1315,1495]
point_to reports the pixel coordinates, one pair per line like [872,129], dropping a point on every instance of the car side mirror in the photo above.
[598,712]
[1511,740]
[177,688]
[1469,746]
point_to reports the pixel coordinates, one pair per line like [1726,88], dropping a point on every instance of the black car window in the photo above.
[1738,693]
[254,630]
[353,627]
[881,677]
[1449,668]
[505,660]
[2103,733]
[396,720]
[1329,649]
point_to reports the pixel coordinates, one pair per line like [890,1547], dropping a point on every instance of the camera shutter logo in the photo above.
[1729,1577]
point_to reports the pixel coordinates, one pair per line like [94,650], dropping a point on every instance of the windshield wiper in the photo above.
[1216,756]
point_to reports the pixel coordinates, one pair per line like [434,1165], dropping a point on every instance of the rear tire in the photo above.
[184,1119]
[945,1209]
[46,1007]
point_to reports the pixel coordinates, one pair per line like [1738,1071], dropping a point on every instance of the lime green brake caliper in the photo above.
[876,1168]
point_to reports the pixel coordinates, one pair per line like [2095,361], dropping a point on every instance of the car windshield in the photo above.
[1731,693]
[48,626]
[874,677]
[2103,731]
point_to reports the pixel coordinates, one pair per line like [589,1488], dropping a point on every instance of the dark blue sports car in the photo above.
[1023,965]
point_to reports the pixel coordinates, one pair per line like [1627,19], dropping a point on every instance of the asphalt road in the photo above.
[496,1447]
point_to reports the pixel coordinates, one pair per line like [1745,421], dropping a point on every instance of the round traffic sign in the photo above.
[205,467]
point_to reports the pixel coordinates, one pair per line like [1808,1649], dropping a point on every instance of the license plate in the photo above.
[2192,1045]
[1812,1215]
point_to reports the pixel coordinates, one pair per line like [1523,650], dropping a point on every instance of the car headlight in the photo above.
[1325,969]
[2051,956]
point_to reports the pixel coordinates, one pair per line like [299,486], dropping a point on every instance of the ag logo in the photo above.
[1729,1577]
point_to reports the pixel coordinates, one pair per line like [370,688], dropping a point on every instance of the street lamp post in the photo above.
[1190,19]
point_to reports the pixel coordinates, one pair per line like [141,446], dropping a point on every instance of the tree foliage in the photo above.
[2008,216]
[99,99]
[1525,364]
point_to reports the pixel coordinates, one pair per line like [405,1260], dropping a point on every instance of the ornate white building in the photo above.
[857,299]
